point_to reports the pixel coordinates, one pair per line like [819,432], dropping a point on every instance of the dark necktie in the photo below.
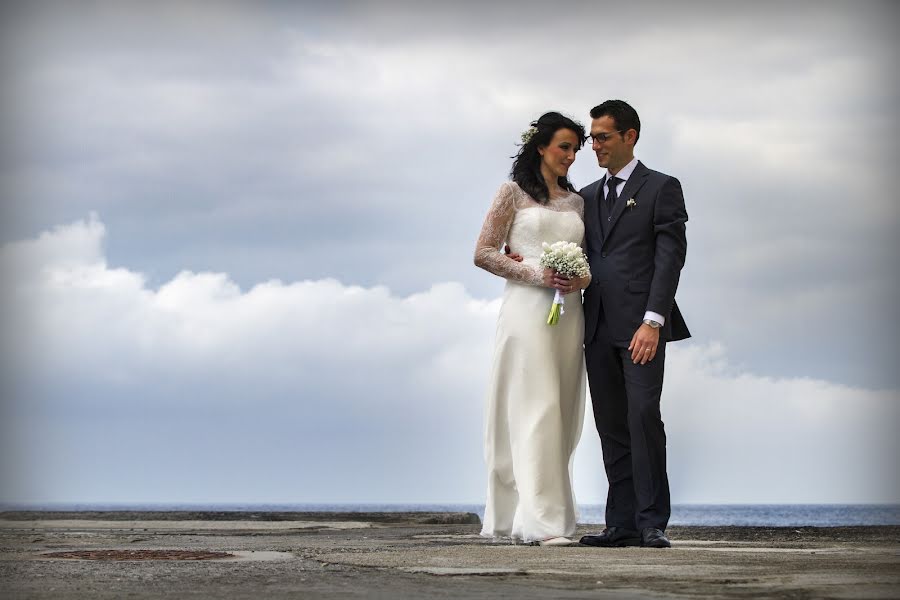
[612,183]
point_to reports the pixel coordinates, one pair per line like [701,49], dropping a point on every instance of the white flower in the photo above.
[528,134]
[565,258]
[631,203]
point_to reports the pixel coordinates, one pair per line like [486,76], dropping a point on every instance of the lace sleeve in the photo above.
[493,235]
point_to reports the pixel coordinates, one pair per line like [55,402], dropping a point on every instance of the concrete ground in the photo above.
[420,555]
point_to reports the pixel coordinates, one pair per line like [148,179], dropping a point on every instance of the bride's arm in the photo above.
[493,234]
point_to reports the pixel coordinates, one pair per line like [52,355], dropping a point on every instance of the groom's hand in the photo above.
[643,344]
[510,254]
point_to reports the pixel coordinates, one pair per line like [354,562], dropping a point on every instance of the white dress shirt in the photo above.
[623,174]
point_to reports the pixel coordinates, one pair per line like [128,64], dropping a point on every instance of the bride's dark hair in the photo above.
[526,169]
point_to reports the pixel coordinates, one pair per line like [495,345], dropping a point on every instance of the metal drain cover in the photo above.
[139,555]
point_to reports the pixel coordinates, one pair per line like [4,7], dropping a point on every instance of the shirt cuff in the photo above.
[655,317]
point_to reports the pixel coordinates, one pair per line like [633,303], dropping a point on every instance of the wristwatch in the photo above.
[652,323]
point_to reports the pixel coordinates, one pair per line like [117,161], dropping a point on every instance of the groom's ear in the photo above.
[630,136]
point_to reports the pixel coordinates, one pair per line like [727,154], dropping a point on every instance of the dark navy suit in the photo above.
[636,251]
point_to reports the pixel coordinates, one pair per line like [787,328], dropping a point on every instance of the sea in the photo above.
[749,515]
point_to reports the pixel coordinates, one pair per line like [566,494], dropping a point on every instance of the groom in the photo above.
[635,242]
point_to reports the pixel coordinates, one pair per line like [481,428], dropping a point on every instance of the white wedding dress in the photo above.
[535,404]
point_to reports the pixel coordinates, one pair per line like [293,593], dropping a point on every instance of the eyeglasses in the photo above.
[602,137]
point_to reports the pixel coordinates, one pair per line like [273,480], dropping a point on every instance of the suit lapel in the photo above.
[637,179]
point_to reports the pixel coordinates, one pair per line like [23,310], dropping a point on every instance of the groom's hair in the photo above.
[622,113]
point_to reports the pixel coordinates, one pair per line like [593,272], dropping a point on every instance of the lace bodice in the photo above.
[524,223]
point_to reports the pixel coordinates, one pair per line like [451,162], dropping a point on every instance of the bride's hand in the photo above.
[554,280]
[581,282]
[568,285]
[549,277]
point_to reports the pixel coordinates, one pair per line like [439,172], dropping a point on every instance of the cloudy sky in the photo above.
[237,242]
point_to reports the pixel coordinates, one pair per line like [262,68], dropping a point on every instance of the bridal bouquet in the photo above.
[567,259]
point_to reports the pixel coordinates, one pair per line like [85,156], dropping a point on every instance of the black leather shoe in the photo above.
[651,537]
[613,537]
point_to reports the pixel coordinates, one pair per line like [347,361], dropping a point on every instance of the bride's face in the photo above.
[559,154]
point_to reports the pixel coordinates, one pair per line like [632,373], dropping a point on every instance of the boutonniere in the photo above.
[631,203]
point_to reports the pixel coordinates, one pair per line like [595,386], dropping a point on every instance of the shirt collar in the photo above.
[626,171]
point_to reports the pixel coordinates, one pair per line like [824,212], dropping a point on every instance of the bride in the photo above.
[535,404]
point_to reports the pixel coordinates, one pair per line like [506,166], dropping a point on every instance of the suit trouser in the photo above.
[626,400]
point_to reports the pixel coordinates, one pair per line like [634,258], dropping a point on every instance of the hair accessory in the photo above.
[528,134]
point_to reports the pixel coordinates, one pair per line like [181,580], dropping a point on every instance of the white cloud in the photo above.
[197,390]
[345,158]
[301,143]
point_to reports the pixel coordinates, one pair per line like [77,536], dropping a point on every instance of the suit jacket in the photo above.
[635,267]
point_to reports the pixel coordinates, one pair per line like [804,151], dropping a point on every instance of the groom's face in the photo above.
[611,146]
